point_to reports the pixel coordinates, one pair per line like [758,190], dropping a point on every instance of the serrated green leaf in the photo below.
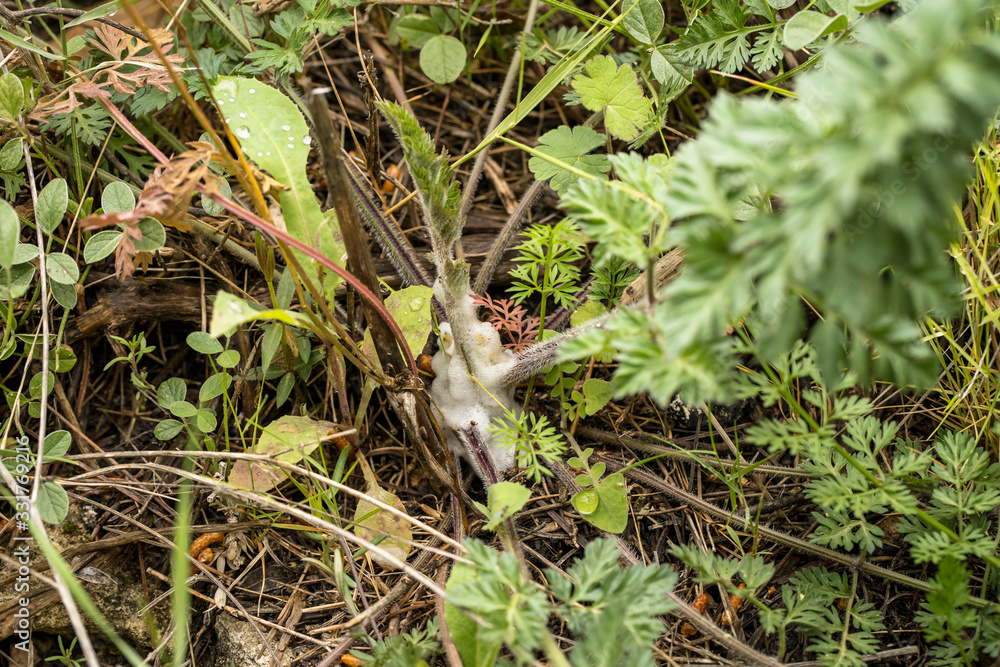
[669,68]
[569,146]
[616,92]
[465,632]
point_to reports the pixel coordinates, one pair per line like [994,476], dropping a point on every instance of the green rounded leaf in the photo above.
[199,341]
[206,421]
[100,245]
[806,27]
[597,393]
[504,500]
[35,385]
[284,390]
[167,429]
[62,268]
[228,359]
[411,308]
[65,295]
[24,252]
[57,444]
[154,236]
[11,154]
[644,20]
[213,208]
[20,280]
[117,198]
[10,230]
[62,358]
[171,391]
[442,59]
[586,502]
[53,503]
[780,4]
[417,29]
[183,409]
[11,97]
[214,386]
[610,512]
[52,203]
[866,6]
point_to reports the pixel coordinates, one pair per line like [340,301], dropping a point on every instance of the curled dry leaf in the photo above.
[371,522]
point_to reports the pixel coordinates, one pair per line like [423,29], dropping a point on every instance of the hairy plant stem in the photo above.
[516,62]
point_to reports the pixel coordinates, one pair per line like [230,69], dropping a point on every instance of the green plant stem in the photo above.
[556,657]
[857,465]
[779,537]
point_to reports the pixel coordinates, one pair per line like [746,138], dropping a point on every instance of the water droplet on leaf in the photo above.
[243,132]
[286,128]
